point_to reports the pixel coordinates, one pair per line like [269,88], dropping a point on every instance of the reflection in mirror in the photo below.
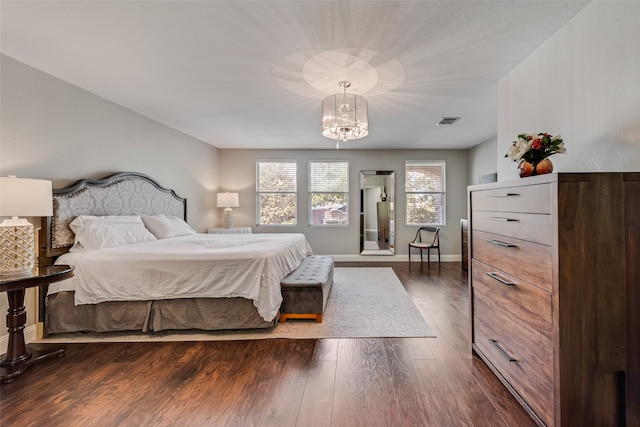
[377,197]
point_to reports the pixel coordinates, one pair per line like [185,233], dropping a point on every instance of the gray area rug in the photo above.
[364,302]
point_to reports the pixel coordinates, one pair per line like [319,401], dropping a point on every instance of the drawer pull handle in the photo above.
[499,218]
[499,243]
[506,195]
[500,279]
[501,350]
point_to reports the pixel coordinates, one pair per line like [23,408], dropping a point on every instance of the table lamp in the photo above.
[227,201]
[27,198]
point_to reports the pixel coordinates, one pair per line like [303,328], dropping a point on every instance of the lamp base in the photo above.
[16,246]
[228,218]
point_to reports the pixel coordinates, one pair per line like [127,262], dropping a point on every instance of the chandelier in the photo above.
[344,116]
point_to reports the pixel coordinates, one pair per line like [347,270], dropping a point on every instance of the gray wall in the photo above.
[237,172]
[482,160]
[53,130]
[584,84]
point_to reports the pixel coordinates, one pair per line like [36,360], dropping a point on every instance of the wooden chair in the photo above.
[427,238]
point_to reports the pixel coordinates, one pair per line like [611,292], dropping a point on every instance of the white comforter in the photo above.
[197,266]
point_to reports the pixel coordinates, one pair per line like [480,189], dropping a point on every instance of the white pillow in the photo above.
[96,232]
[163,226]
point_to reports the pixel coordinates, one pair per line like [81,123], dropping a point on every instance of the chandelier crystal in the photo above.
[344,116]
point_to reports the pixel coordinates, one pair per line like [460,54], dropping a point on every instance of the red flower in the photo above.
[537,144]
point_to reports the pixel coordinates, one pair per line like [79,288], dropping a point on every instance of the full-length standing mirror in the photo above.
[377,197]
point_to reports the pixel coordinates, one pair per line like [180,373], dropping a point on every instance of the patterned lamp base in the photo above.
[16,246]
[228,217]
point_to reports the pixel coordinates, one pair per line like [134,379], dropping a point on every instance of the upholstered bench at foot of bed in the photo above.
[305,291]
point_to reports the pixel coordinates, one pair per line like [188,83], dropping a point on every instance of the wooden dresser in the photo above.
[555,284]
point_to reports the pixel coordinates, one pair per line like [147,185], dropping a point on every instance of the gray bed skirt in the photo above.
[63,316]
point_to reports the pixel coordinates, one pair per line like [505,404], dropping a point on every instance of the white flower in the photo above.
[518,149]
[512,152]
[524,146]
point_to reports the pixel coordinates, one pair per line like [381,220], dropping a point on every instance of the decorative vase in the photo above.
[543,166]
[525,169]
[528,169]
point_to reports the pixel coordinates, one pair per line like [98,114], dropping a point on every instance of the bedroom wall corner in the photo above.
[482,160]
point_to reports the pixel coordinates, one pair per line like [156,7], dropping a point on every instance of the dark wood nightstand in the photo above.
[19,356]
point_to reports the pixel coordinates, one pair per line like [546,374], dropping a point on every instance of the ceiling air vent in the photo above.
[448,120]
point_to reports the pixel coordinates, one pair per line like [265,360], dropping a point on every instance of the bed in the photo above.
[163,282]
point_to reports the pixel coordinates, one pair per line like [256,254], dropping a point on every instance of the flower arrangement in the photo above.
[535,148]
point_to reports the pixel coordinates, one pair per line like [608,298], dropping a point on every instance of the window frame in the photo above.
[311,193]
[292,192]
[442,194]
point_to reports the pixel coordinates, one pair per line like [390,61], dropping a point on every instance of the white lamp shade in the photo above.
[228,200]
[345,117]
[25,197]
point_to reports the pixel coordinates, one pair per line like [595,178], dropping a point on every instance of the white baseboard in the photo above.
[30,334]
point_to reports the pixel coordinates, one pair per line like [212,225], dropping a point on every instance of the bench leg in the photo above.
[285,316]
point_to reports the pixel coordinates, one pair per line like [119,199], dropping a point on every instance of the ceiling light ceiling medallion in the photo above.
[345,116]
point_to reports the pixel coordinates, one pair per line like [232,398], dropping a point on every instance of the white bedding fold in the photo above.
[196,266]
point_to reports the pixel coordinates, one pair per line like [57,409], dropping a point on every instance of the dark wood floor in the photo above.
[327,382]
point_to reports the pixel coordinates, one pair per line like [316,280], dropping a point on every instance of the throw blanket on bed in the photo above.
[196,266]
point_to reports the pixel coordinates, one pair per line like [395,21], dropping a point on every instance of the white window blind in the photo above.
[329,192]
[425,192]
[276,192]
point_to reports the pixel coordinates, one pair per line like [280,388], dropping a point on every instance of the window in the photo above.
[425,189]
[329,192]
[276,192]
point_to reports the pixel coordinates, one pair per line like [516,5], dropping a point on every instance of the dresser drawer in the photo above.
[532,386]
[526,199]
[529,261]
[531,227]
[510,329]
[524,301]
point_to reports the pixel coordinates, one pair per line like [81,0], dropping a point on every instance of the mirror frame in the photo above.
[388,187]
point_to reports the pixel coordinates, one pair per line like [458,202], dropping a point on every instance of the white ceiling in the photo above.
[232,73]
